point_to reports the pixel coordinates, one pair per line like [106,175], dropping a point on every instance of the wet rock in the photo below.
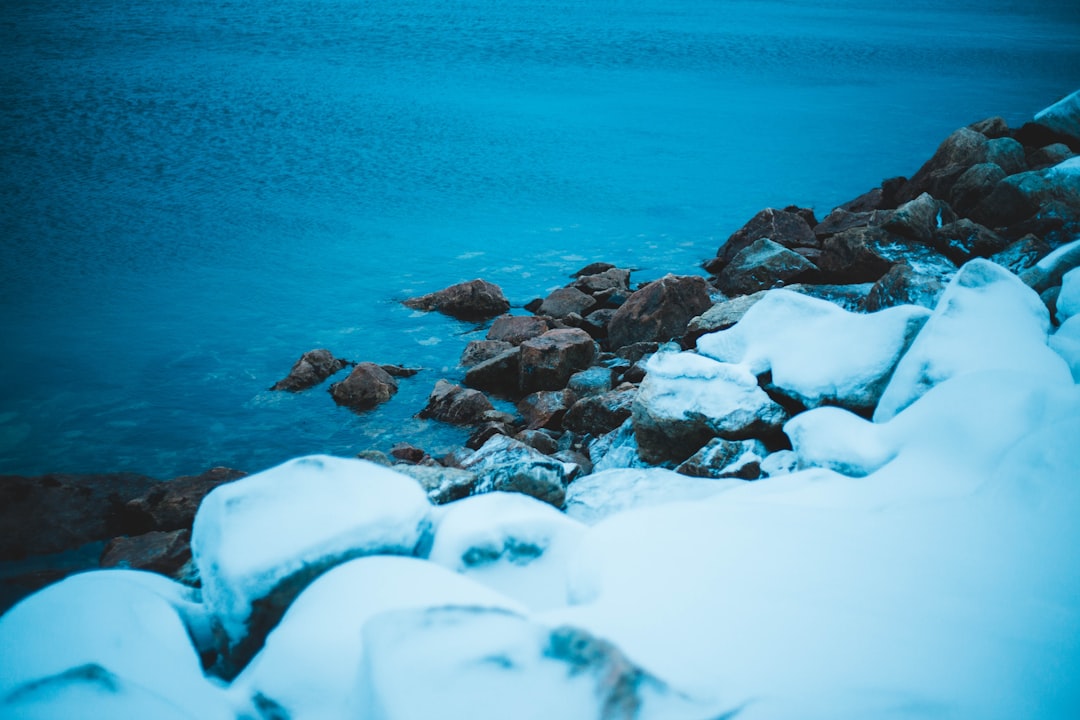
[726,459]
[918,219]
[660,311]
[612,279]
[958,152]
[545,408]
[564,301]
[312,368]
[516,329]
[367,386]
[636,351]
[478,351]
[975,184]
[784,228]
[504,464]
[964,239]
[376,456]
[456,405]
[442,484]
[1022,254]
[548,361]
[600,414]
[473,300]
[576,463]
[172,505]
[1053,269]
[497,375]
[762,265]
[156,551]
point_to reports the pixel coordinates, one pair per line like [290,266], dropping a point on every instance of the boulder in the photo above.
[992,127]
[907,285]
[722,458]
[516,329]
[1007,154]
[958,152]
[473,300]
[965,239]
[849,297]
[478,351]
[367,386]
[593,269]
[1048,156]
[1022,255]
[788,229]
[442,484]
[659,311]
[1018,197]
[312,368]
[721,316]
[687,399]
[538,440]
[600,414]
[566,301]
[545,408]
[547,362]
[860,255]
[408,453]
[172,505]
[596,323]
[507,465]
[156,551]
[842,219]
[870,200]
[612,279]
[593,381]
[1053,269]
[1063,117]
[762,265]
[496,375]
[917,220]
[456,405]
[976,183]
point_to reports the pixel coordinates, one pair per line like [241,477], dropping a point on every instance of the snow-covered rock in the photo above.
[726,458]
[594,497]
[616,449]
[263,538]
[1066,343]
[511,542]
[818,353]
[112,643]
[505,464]
[310,666]
[1068,301]
[687,399]
[986,319]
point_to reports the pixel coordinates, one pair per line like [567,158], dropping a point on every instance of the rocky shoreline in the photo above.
[720,379]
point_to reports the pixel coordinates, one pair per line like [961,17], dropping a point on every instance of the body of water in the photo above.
[193,194]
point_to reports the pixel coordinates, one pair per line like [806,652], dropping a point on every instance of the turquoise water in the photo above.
[192,194]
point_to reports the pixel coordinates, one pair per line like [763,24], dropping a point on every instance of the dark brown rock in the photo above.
[965,239]
[545,408]
[485,431]
[917,220]
[516,329]
[904,285]
[992,127]
[859,255]
[958,152]
[408,453]
[155,551]
[499,374]
[478,351]
[312,368]
[840,220]
[172,505]
[975,184]
[565,301]
[806,214]
[784,228]
[456,405]
[660,311]
[399,371]
[538,440]
[612,279]
[367,386]
[722,458]
[548,361]
[593,269]
[762,265]
[473,300]
[596,323]
[1022,254]
[599,414]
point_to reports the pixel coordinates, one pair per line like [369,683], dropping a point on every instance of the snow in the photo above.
[1065,169]
[510,542]
[817,352]
[1066,343]
[594,497]
[1068,301]
[986,319]
[252,534]
[324,627]
[104,644]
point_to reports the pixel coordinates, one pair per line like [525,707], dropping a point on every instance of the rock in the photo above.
[156,551]
[904,285]
[849,297]
[721,316]
[1066,343]
[993,127]
[487,430]
[1048,156]
[596,323]
[781,462]
[593,269]
[965,239]
[408,453]
[616,449]
[867,202]
[660,311]
[958,152]
[1053,269]
[762,265]
[172,505]
[56,512]
[516,329]
[1018,197]
[1022,254]
[918,219]
[612,279]
[548,361]
[636,351]
[504,464]
[456,405]
[545,408]
[367,386]
[478,351]
[815,352]
[564,301]
[538,440]
[312,368]
[473,300]
[726,459]
[687,399]
[860,255]
[976,183]
[600,414]
[841,219]
[958,339]
[594,381]
[1063,117]
[577,463]
[442,484]
[1007,154]
[784,228]
[497,375]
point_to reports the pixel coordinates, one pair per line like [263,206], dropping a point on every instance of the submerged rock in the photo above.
[473,300]
[312,368]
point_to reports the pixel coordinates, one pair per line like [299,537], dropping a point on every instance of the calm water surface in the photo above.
[192,194]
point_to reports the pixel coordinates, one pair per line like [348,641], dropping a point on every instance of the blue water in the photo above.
[192,194]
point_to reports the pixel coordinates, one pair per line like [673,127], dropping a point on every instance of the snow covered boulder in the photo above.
[259,541]
[106,644]
[986,319]
[594,497]
[1068,300]
[503,463]
[310,667]
[1063,116]
[818,353]
[1066,343]
[688,399]
[510,542]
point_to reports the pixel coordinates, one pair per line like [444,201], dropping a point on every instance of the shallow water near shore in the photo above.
[193,195]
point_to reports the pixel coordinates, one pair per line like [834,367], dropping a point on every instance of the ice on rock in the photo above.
[105,644]
[510,542]
[311,664]
[1068,301]
[294,521]
[818,353]
[594,497]
[616,449]
[986,319]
